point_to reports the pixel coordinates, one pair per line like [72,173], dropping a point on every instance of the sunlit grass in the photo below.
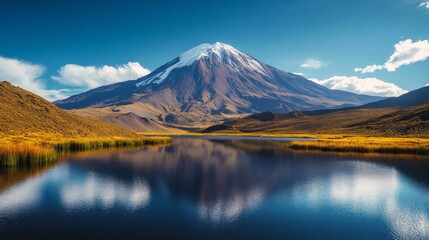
[366,144]
[30,150]
[94,144]
[25,154]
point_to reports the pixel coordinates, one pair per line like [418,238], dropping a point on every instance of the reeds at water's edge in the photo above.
[366,145]
[24,154]
[31,153]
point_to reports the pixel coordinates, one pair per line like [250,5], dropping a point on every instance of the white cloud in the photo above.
[91,76]
[313,64]
[368,86]
[424,4]
[406,52]
[369,68]
[27,76]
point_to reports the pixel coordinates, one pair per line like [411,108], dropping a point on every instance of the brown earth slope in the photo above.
[395,121]
[22,112]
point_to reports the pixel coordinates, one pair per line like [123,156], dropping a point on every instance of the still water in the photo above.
[222,188]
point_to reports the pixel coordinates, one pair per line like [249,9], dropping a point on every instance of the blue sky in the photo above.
[325,40]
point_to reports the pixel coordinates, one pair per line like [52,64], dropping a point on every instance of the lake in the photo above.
[218,188]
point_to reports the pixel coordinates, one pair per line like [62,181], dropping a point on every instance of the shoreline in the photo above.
[333,142]
[39,152]
[22,151]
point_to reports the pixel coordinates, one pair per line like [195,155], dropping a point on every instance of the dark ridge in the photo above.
[220,127]
[263,116]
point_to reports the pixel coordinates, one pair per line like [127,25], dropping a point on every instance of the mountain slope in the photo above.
[300,122]
[412,98]
[407,121]
[392,122]
[209,84]
[22,112]
[387,117]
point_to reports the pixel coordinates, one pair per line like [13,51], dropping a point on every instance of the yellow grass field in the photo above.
[34,131]
[30,149]
[366,144]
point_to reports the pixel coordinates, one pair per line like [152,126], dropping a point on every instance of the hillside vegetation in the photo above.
[34,131]
[24,113]
[383,130]
[379,122]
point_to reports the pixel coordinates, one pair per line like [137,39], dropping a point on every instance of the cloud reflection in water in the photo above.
[198,183]
[83,190]
[96,190]
[230,209]
[368,190]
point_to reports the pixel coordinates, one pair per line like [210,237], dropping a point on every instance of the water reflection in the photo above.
[230,209]
[22,196]
[370,190]
[253,189]
[225,183]
[222,180]
[94,190]
[76,190]
[367,189]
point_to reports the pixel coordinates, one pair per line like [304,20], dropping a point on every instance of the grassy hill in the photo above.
[384,130]
[303,122]
[23,113]
[380,122]
[33,130]
[411,121]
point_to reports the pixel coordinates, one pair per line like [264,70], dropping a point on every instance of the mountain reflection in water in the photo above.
[248,189]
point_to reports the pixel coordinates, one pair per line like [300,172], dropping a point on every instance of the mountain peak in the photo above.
[225,53]
[208,84]
[206,49]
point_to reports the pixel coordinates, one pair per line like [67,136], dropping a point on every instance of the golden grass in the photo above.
[22,112]
[25,154]
[334,142]
[27,150]
[366,145]
[103,143]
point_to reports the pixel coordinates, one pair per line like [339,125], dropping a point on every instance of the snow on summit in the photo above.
[227,54]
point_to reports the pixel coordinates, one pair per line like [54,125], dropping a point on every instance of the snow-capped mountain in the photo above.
[233,58]
[209,84]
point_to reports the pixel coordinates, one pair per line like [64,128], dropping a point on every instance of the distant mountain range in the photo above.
[406,115]
[208,84]
[412,98]
[24,113]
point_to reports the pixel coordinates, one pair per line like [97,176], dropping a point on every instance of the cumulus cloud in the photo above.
[28,76]
[368,86]
[369,68]
[313,64]
[406,52]
[88,77]
[424,4]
